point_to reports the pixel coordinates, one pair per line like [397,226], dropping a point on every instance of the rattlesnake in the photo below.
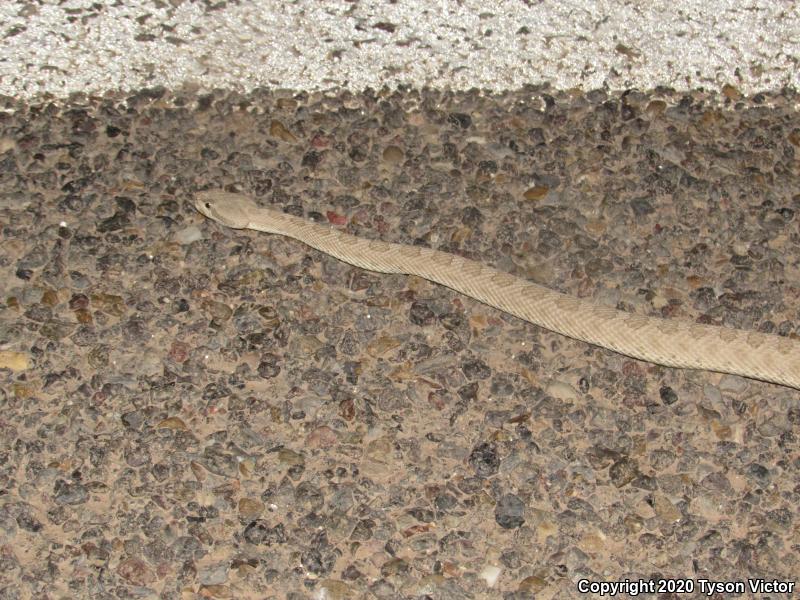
[663,341]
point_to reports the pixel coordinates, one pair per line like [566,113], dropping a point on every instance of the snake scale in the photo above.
[663,341]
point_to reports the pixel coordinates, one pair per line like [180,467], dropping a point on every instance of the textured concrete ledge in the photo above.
[96,46]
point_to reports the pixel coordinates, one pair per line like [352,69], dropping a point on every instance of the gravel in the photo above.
[192,409]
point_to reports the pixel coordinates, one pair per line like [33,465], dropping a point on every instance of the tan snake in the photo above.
[665,342]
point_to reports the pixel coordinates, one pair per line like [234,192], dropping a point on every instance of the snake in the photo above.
[668,342]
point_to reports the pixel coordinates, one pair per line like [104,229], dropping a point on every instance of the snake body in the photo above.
[666,342]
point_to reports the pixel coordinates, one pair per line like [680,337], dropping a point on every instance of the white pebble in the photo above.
[189,235]
[490,574]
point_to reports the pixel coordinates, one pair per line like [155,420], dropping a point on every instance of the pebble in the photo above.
[484,460]
[490,574]
[279,130]
[188,235]
[393,155]
[509,512]
[214,574]
[536,192]
[16,361]
[562,391]
[135,571]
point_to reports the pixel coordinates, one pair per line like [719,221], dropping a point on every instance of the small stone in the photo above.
[393,155]
[347,409]
[220,462]
[70,493]
[627,51]
[595,267]
[332,589]
[109,303]
[461,120]
[532,584]
[395,566]
[83,316]
[16,361]
[246,467]
[50,298]
[379,450]
[484,460]
[242,280]
[279,130]
[56,330]
[382,345]
[219,311]
[260,533]
[732,384]
[270,316]
[290,458]
[214,574]
[623,472]
[731,92]
[307,344]
[421,314]
[250,508]
[188,235]
[175,423]
[335,218]
[476,369]
[537,192]
[133,419]
[667,395]
[179,351]
[562,391]
[509,512]
[22,391]
[490,574]
[98,357]
[269,367]
[321,437]
[119,220]
[665,509]
[312,159]
[642,207]
[216,591]
[136,571]
[188,547]
[656,107]
[593,542]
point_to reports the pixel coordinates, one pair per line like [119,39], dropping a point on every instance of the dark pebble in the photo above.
[484,460]
[421,314]
[259,532]
[70,493]
[509,512]
[476,369]
[269,367]
[623,472]
[461,120]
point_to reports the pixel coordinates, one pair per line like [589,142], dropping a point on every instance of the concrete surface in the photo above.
[94,46]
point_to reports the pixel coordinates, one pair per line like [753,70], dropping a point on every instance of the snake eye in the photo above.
[208,205]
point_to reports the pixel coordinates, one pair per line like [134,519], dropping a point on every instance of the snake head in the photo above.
[232,210]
